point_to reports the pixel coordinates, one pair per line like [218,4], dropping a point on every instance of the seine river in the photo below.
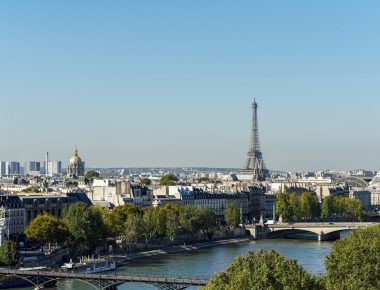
[208,261]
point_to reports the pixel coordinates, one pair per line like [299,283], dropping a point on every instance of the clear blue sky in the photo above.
[169,83]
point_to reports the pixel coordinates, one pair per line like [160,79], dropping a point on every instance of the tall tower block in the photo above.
[255,164]
[47,164]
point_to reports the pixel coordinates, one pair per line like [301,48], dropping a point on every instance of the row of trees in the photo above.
[336,206]
[84,227]
[294,207]
[352,264]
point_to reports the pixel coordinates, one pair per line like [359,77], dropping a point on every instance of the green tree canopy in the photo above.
[47,229]
[119,216]
[85,226]
[105,214]
[91,174]
[283,206]
[206,219]
[294,207]
[146,181]
[168,179]
[231,215]
[309,206]
[338,206]
[264,270]
[134,227]
[8,253]
[154,222]
[172,213]
[354,262]
[189,220]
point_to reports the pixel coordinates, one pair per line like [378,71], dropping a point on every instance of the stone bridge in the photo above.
[322,230]
[41,279]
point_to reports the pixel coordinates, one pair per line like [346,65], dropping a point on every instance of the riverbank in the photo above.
[124,259]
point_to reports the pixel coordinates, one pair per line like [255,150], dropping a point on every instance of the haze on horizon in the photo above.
[170,83]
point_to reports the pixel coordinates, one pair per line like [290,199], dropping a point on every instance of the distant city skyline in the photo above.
[167,83]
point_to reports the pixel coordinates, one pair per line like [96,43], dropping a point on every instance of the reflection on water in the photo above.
[206,262]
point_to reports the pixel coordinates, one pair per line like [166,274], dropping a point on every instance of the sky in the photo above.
[170,83]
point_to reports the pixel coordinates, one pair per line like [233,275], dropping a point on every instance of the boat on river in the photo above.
[90,266]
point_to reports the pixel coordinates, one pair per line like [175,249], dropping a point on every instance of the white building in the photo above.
[109,190]
[54,168]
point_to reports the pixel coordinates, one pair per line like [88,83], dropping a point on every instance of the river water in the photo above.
[203,263]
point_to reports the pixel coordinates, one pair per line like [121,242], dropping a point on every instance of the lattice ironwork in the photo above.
[255,164]
[39,279]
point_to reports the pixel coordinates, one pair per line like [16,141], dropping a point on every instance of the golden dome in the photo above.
[75,159]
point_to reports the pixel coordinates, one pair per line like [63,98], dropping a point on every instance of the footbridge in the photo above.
[324,231]
[42,279]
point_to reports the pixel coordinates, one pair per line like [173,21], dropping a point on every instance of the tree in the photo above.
[90,175]
[282,205]
[134,227]
[231,215]
[47,229]
[207,219]
[189,220]
[8,253]
[154,222]
[172,220]
[293,207]
[338,206]
[354,262]
[168,179]
[328,207]
[146,181]
[309,205]
[85,225]
[105,213]
[264,270]
[294,204]
[119,216]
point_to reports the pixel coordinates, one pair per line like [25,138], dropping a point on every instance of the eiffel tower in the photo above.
[255,164]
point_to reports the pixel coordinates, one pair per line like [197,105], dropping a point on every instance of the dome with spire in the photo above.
[76,165]
[75,159]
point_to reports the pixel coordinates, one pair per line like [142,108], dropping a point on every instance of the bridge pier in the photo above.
[329,237]
[257,232]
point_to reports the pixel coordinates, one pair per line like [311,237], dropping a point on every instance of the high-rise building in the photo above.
[32,168]
[54,168]
[47,164]
[255,164]
[12,168]
[3,166]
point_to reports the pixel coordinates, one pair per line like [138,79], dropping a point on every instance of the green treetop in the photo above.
[47,229]
[8,253]
[354,262]
[267,270]
[168,179]
[231,215]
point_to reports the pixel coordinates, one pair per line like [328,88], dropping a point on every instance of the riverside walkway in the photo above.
[40,279]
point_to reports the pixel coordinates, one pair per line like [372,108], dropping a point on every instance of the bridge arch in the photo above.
[308,233]
[38,281]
